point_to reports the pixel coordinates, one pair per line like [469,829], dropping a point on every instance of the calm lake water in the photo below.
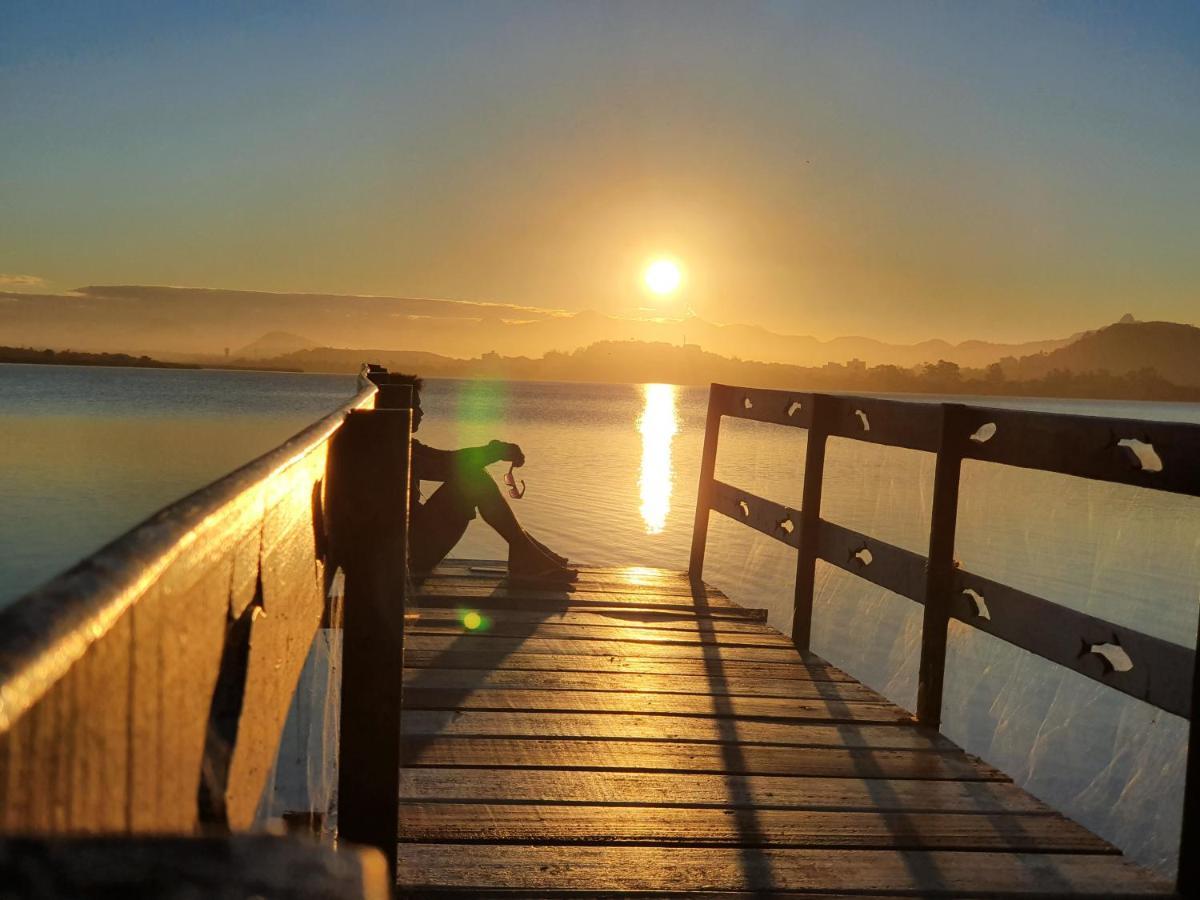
[611,478]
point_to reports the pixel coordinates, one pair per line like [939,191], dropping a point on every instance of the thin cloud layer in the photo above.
[21,281]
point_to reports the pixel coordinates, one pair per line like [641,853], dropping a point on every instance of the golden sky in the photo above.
[896,170]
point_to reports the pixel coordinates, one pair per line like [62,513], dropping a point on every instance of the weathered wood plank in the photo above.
[763,405]
[928,873]
[620,726]
[765,516]
[502,596]
[661,756]
[575,632]
[1088,446]
[453,565]
[584,585]
[549,662]
[688,685]
[617,788]
[898,570]
[500,700]
[64,765]
[656,826]
[648,620]
[892,423]
[108,673]
[1159,672]
[489,644]
[282,629]
[178,632]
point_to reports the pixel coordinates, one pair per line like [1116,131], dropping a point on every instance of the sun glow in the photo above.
[658,426]
[663,277]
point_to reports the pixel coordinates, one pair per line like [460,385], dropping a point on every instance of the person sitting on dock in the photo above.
[436,525]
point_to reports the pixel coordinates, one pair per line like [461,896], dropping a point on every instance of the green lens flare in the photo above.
[472,621]
[480,411]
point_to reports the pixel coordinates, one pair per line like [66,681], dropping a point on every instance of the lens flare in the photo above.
[472,621]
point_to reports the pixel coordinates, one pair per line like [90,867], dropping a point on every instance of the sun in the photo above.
[663,277]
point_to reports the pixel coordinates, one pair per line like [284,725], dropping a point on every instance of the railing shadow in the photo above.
[756,866]
[465,648]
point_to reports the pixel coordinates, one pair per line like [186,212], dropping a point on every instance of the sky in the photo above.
[900,170]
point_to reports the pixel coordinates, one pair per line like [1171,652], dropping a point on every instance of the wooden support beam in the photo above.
[368,502]
[939,579]
[810,520]
[708,466]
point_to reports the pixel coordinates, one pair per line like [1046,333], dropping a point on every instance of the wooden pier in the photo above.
[636,735]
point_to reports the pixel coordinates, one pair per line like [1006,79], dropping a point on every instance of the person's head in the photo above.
[417,384]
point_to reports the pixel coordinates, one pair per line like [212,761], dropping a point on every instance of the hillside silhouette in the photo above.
[1135,376]
[198,324]
[1171,349]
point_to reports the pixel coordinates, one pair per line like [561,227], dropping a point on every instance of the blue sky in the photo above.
[900,170]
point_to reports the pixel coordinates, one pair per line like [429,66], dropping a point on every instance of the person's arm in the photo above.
[432,464]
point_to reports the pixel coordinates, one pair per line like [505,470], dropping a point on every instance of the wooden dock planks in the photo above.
[632,736]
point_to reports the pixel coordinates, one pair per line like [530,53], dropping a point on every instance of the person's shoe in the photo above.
[531,565]
[558,558]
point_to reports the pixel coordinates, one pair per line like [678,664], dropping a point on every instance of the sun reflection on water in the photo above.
[658,425]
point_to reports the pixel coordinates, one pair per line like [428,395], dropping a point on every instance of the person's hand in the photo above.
[508,453]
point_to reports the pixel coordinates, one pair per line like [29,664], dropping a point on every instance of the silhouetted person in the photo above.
[436,525]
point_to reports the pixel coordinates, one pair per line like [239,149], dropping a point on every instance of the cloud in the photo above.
[21,281]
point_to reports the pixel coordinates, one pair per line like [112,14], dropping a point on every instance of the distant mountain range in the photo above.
[321,332]
[1132,360]
[196,324]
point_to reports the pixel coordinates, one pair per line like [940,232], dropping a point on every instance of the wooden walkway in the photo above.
[634,736]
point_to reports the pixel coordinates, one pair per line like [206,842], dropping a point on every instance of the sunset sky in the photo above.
[900,170]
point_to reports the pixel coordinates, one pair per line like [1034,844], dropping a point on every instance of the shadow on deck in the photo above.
[636,735]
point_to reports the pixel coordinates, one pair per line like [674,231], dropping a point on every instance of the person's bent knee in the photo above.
[475,483]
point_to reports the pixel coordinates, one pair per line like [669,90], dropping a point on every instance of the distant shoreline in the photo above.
[47,357]
[667,364]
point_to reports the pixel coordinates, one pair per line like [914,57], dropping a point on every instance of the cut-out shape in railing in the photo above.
[1112,654]
[984,433]
[794,407]
[862,417]
[863,555]
[1141,454]
[981,609]
[747,403]
[744,507]
[786,525]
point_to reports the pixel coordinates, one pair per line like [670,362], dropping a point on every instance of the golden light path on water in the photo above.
[658,425]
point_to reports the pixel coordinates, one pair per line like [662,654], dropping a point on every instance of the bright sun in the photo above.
[663,277]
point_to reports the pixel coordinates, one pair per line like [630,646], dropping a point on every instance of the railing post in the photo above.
[810,521]
[708,466]
[1187,877]
[939,577]
[368,501]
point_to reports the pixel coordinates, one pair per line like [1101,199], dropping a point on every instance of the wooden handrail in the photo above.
[1156,455]
[144,690]
[44,632]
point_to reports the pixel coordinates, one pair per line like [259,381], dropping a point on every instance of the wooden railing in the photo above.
[144,691]
[1154,455]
